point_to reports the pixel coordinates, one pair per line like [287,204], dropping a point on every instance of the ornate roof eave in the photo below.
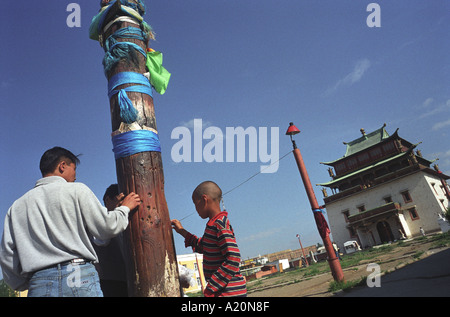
[384,139]
[343,177]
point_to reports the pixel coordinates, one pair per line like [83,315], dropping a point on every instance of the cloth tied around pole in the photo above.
[321,222]
[128,112]
[127,8]
[159,76]
[133,142]
[115,50]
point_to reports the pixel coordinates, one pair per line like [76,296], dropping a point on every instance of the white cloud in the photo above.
[440,125]
[442,107]
[445,154]
[354,76]
[190,124]
[427,102]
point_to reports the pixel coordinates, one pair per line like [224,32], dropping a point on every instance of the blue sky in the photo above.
[234,63]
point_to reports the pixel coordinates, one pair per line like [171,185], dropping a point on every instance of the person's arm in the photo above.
[101,223]
[190,240]
[9,259]
[176,225]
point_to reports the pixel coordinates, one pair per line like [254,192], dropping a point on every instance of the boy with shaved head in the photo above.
[221,255]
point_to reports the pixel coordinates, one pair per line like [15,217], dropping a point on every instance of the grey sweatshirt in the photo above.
[51,224]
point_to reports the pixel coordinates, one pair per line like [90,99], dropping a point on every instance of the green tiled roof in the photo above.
[366,141]
[362,143]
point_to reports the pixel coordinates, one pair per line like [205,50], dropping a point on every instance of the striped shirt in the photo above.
[221,257]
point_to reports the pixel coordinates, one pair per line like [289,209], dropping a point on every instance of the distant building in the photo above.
[291,254]
[383,190]
[193,262]
[263,265]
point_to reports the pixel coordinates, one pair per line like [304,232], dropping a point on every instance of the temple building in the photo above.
[383,190]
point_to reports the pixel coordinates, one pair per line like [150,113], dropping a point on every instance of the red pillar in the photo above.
[333,261]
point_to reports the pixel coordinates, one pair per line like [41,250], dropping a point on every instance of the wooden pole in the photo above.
[303,251]
[152,270]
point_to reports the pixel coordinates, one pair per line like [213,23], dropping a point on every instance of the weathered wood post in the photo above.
[151,260]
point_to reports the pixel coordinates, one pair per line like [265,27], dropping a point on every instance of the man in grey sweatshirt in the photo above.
[46,245]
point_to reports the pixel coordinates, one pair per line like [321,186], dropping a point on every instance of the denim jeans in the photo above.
[71,280]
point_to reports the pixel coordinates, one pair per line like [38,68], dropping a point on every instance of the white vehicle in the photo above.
[351,247]
[321,250]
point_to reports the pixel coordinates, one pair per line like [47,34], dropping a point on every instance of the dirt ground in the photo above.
[317,286]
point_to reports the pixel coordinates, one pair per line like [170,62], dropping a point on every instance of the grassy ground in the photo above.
[349,263]
[352,261]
